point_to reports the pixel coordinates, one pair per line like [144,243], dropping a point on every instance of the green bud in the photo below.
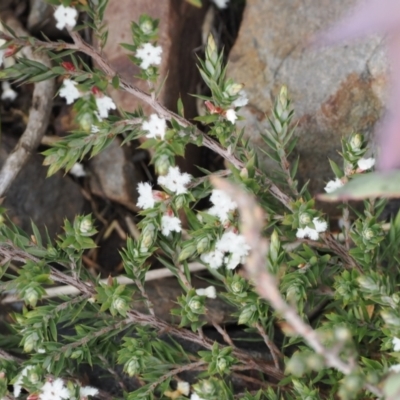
[31,296]
[356,141]
[274,247]
[187,251]
[195,304]
[247,314]
[162,164]
[86,122]
[120,305]
[368,234]
[30,342]
[233,89]
[222,364]
[76,354]
[85,226]
[203,245]
[304,219]
[237,286]
[146,27]
[244,173]
[148,235]
[132,367]
[342,334]
[211,50]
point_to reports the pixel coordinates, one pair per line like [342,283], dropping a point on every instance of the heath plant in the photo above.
[321,304]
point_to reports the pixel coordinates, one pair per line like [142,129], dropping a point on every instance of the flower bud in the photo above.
[187,251]
[30,342]
[132,367]
[76,354]
[31,296]
[304,219]
[162,165]
[120,305]
[356,141]
[195,305]
[203,245]
[85,226]
[368,234]
[244,173]
[146,27]
[274,247]
[233,89]
[222,364]
[148,236]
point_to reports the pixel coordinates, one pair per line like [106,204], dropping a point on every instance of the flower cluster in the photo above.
[231,249]
[312,233]
[70,92]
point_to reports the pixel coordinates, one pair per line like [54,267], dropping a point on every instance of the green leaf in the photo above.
[180,107]
[336,170]
[370,185]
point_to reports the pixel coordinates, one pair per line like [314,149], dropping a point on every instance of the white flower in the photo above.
[149,54]
[104,103]
[69,91]
[231,116]
[307,232]
[18,383]
[54,390]
[183,388]
[221,3]
[7,91]
[222,204]
[86,391]
[77,170]
[320,225]
[195,396]
[232,243]
[333,185]
[65,16]
[156,127]
[94,129]
[214,259]
[146,199]
[242,100]
[175,181]
[209,292]
[396,344]
[366,163]
[170,224]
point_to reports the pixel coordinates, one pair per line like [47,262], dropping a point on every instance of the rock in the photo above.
[335,91]
[114,176]
[45,201]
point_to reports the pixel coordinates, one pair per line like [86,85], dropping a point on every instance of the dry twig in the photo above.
[39,115]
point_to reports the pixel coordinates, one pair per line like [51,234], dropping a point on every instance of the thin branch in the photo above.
[39,115]
[135,317]
[275,353]
[252,218]
[80,45]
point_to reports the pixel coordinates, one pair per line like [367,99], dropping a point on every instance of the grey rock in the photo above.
[335,91]
[45,201]
[114,176]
